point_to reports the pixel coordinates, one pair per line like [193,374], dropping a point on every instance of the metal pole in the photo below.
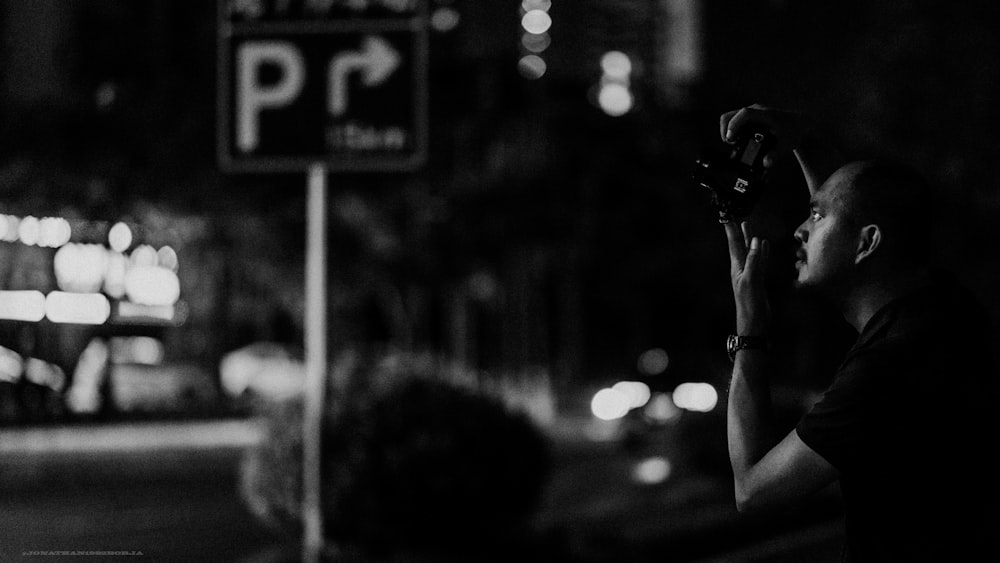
[316,363]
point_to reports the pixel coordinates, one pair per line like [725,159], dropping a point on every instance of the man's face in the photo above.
[827,241]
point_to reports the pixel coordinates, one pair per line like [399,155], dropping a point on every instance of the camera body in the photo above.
[735,180]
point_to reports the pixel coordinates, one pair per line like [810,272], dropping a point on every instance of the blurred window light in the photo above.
[137,350]
[120,237]
[11,226]
[609,404]
[652,471]
[133,313]
[22,306]
[637,392]
[77,308]
[531,67]
[84,394]
[444,19]
[698,397]
[29,230]
[661,408]
[536,21]
[80,267]
[653,362]
[11,365]
[166,257]
[536,43]
[616,65]
[529,5]
[615,99]
[45,374]
[152,285]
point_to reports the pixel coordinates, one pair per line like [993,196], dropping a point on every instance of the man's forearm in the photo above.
[749,425]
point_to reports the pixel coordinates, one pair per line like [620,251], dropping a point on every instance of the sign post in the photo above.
[321,86]
[316,363]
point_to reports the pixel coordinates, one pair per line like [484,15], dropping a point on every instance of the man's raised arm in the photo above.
[794,132]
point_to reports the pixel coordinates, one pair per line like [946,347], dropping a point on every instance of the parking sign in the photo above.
[340,83]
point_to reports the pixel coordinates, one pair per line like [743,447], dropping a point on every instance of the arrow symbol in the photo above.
[376,61]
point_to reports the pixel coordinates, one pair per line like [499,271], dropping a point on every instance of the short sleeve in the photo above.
[845,421]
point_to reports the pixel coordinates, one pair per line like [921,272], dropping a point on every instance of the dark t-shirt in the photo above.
[909,423]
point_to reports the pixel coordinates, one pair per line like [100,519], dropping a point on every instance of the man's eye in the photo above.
[815,216]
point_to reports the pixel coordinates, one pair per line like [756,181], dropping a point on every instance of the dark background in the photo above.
[591,242]
[541,235]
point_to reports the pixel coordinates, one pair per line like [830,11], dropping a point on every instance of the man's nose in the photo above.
[801,233]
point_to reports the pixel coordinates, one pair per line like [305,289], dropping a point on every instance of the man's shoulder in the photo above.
[946,298]
[942,315]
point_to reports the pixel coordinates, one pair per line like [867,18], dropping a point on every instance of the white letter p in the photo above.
[252,97]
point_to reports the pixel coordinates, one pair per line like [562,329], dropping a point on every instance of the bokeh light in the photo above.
[144,255]
[529,5]
[637,392]
[661,408]
[652,471]
[120,237]
[80,267]
[531,67]
[615,99]
[444,19]
[698,397]
[653,362]
[536,43]
[11,365]
[166,257]
[616,65]
[609,404]
[137,350]
[152,285]
[114,274]
[536,21]
[29,230]
[44,373]
[53,232]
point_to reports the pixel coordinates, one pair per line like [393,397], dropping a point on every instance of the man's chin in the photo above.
[802,282]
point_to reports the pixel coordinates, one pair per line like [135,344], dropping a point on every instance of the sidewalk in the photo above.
[143,479]
[129,436]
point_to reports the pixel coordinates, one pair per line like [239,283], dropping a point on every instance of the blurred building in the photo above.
[553,226]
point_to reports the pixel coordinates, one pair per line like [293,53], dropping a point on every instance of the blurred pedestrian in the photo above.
[906,425]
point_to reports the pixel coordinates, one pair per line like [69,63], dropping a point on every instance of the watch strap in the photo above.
[735,343]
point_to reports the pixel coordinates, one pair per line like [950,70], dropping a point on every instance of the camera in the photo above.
[735,180]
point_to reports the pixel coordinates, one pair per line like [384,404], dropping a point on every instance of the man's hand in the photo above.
[817,156]
[747,258]
[788,127]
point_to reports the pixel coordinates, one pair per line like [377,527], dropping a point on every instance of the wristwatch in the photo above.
[735,343]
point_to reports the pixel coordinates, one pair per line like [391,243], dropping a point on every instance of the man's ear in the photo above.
[869,239]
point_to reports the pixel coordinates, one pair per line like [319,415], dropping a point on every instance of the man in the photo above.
[905,427]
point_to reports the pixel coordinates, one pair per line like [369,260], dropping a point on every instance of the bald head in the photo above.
[895,198]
